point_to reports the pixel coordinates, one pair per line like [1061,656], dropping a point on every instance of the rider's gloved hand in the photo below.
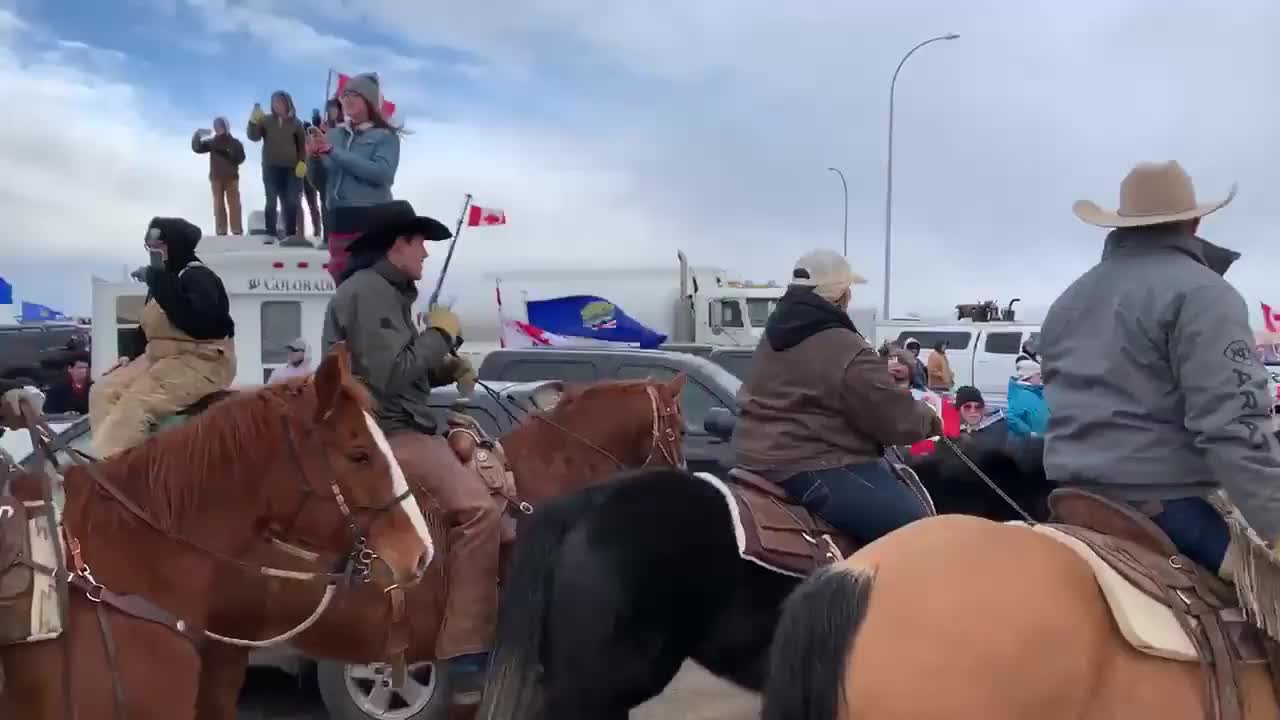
[11,405]
[443,319]
[465,376]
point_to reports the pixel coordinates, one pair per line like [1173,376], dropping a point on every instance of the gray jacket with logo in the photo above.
[1149,367]
[372,311]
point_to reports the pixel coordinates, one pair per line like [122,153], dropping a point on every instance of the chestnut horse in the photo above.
[959,617]
[145,531]
[592,431]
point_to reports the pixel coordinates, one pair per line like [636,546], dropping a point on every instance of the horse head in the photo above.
[347,493]
[589,431]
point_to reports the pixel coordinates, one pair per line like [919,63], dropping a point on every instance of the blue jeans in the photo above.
[1197,529]
[283,185]
[864,501]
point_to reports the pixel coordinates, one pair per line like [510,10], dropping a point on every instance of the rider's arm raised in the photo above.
[393,353]
[874,405]
[191,299]
[1211,352]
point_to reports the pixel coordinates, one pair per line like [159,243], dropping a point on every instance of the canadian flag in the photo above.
[950,420]
[478,216]
[518,334]
[388,107]
[1270,318]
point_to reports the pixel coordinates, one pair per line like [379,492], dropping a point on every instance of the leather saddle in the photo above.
[484,456]
[1206,608]
[779,532]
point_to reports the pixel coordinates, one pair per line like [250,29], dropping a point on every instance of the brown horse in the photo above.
[146,530]
[959,617]
[590,433]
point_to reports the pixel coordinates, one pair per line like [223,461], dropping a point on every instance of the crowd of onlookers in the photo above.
[341,162]
[1026,413]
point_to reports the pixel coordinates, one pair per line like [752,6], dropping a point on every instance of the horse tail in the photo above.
[807,663]
[512,689]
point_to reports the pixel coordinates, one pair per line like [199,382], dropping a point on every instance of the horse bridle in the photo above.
[355,565]
[664,437]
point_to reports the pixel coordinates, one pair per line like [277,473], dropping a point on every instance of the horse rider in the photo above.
[820,407]
[372,312]
[1157,397]
[190,343]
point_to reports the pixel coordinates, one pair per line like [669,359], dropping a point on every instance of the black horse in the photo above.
[612,588]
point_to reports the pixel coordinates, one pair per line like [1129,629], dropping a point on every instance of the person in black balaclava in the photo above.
[190,346]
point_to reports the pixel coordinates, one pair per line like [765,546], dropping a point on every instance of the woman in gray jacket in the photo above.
[360,158]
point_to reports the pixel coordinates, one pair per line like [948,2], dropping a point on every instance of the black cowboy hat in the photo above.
[394,219]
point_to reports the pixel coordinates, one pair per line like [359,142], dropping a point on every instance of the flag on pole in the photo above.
[388,107]
[6,292]
[480,216]
[519,334]
[1270,318]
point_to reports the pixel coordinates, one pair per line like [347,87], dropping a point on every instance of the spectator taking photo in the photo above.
[283,159]
[226,154]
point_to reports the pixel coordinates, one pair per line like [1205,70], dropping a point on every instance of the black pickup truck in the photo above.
[709,385]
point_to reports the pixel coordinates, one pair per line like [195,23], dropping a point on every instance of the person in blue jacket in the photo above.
[1028,414]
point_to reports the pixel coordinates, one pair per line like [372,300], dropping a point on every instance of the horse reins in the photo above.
[661,431]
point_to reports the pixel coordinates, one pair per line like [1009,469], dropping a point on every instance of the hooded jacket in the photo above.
[282,136]
[819,396]
[190,293]
[1154,388]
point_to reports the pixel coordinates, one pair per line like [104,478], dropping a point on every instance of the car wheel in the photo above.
[364,692]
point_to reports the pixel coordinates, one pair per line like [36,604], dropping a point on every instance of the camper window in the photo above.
[281,324]
[727,312]
[956,340]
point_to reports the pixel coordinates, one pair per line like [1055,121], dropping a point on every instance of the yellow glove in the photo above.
[257,114]
[300,169]
[464,376]
[442,318]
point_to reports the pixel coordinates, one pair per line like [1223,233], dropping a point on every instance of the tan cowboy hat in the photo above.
[1151,194]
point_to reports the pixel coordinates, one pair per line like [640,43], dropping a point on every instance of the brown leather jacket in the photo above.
[825,402]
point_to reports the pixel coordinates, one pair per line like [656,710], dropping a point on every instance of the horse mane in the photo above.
[168,472]
[575,392]
[1017,469]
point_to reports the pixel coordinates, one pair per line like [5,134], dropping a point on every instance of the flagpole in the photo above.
[328,83]
[502,321]
[457,230]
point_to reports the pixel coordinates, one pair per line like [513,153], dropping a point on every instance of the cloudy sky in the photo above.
[618,131]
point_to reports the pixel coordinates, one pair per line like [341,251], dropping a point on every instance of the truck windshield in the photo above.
[759,310]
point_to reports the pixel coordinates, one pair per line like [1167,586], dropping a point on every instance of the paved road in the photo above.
[695,695]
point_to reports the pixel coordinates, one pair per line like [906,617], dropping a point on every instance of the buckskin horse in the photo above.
[583,435]
[1093,615]
[143,531]
[613,587]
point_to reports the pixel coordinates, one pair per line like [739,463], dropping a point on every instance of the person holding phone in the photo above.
[360,158]
[316,173]
[226,154]
[283,159]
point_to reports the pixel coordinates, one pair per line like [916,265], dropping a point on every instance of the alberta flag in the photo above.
[590,316]
[35,312]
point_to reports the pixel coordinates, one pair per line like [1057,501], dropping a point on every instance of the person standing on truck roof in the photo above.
[820,407]
[1158,401]
[372,312]
[226,154]
[360,158]
[190,343]
[283,159]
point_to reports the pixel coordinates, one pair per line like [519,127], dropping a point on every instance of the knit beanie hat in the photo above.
[367,86]
[969,394]
[1027,369]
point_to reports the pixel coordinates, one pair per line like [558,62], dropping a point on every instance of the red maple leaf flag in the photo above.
[388,107]
[1270,318]
[479,216]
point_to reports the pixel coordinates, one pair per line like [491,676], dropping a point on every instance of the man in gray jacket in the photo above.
[372,312]
[1149,369]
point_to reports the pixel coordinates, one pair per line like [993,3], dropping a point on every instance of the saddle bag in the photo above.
[15,574]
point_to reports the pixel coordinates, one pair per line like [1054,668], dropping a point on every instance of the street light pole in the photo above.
[846,209]
[888,191]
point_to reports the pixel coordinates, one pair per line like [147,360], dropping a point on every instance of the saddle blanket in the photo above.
[1148,625]
[29,609]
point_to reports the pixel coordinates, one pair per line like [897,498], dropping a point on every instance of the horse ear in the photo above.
[331,376]
[677,384]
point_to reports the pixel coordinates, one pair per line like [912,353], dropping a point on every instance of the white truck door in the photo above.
[993,358]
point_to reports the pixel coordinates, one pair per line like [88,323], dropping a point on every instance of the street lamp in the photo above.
[888,191]
[846,209]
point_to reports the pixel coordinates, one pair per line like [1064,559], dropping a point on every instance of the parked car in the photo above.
[708,386]
[736,360]
[343,688]
[39,352]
